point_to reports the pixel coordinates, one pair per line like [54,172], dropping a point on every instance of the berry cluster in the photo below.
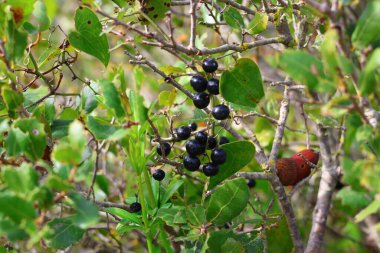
[200,84]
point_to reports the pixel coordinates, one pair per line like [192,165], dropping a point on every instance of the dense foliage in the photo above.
[157,125]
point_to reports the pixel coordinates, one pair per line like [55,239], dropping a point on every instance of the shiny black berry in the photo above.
[191,163]
[210,169]
[159,175]
[193,126]
[199,83]
[183,132]
[211,142]
[251,183]
[201,100]
[223,140]
[218,156]
[213,86]
[135,207]
[166,147]
[220,112]
[201,137]
[194,148]
[210,65]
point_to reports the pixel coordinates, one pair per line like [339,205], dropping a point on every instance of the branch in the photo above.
[193,23]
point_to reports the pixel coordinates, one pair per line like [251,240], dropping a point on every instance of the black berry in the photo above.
[223,140]
[201,100]
[183,132]
[191,163]
[218,156]
[213,86]
[199,83]
[166,147]
[194,148]
[251,183]
[135,207]
[201,137]
[220,112]
[210,169]
[210,65]
[211,142]
[159,175]
[193,126]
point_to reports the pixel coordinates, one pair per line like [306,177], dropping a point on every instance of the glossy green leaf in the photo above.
[60,128]
[233,18]
[16,41]
[23,8]
[137,106]
[39,13]
[16,208]
[12,99]
[251,244]
[372,208]
[87,36]
[231,245]
[112,98]
[367,28]
[100,129]
[124,214]
[86,212]
[156,10]
[302,67]
[370,76]
[243,84]
[172,216]
[258,24]
[352,198]
[16,142]
[64,233]
[102,182]
[239,154]
[12,231]
[227,201]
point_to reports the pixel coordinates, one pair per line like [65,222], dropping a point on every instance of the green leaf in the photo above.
[125,215]
[60,128]
[367,28]
[156,10]
[16,41]
[167,98]
[22,179]
[258,24]
[23,9]
[36,141]
[87,37]
[372,208]
[233,18]
[302,67]
[102,182]
[12,99]
[112,98]
[239,154]
[39,13]
[16,208]
[16,142]
[352,198]
[12,231]
[228,201]
[243,84]
[250,244]
[172,216]
[64,233]
[196,214]
[101,130]
[170,190]
[86,212]
[370,76]
[137,106]
[232,246]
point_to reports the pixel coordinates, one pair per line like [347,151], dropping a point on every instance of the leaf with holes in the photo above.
[87,38]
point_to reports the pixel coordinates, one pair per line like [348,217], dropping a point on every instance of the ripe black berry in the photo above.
[199,83]
[201,137]
[223,140]
[183,132]
[211,142]
[193,126]
[201,100]
[210,169]
[210,65]
[159,175]
[135,207]
[220,112]
[218,156]
[191,163]
[194,148]
[251,183]
[213,86]
[166,147]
